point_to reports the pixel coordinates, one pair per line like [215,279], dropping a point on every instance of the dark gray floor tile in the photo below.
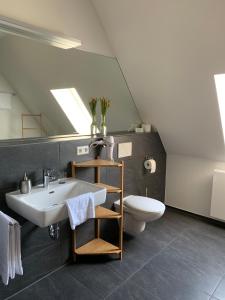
[60,285]
[35,239]
[165,286]
[34,266]
[131,291]
[215,236]
[209,229]
[181,219]
[128,266]
[143,245]
[170,226]
[137,252]
[204,251]
[176,258]
[99,277]
[180,267]
[220,291]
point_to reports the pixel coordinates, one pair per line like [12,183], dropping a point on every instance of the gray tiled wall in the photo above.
[40,254]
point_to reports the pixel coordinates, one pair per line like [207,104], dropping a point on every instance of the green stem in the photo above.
[103,119]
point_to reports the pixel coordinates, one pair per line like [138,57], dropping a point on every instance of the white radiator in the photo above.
[218,195]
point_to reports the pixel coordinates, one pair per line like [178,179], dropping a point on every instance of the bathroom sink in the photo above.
[46,206]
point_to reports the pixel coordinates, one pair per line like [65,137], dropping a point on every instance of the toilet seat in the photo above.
[143,204]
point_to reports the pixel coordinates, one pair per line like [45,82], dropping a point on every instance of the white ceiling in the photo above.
[169,52]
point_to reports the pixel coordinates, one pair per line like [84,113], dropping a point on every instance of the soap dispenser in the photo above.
[25,187]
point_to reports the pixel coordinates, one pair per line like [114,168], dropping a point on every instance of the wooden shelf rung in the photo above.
[109,188]
[97,246]
[97,163]
[104,213]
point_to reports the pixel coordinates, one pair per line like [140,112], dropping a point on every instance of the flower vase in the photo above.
[94,127]
[103,126]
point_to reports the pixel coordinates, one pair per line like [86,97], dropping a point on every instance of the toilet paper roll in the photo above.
[150,164]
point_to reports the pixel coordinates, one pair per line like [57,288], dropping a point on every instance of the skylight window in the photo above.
[220,89]
[74,108]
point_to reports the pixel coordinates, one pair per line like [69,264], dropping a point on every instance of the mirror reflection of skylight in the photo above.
[74,108]
[220,89]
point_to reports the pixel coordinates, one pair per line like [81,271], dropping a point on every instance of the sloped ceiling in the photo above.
[169,52]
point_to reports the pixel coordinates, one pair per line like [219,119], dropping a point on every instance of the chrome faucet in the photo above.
[48,177]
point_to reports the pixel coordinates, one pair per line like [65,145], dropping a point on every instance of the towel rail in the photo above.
[17,224]
[10,222]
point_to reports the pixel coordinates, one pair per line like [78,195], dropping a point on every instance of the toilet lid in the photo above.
[144,204]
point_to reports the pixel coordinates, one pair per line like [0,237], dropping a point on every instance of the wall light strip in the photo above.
[31,32]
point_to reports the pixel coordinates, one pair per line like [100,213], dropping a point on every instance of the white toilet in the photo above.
[138,210]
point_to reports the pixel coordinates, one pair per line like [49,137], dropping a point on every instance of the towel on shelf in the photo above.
[80,209]
[10,248]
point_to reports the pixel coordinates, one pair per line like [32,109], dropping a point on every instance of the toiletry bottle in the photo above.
[25,187]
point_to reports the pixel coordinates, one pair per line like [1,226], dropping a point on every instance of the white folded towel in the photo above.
[80,209]
[10,248]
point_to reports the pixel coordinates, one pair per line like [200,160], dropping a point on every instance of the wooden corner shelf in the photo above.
[98,246]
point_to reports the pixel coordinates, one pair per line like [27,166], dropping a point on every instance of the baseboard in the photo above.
[202,218]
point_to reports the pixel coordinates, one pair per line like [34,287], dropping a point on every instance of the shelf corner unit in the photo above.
[97,245]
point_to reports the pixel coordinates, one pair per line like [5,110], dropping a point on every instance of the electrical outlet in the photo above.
[82,150]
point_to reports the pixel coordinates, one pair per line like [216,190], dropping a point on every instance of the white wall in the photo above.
[189,183]
[76,18]
[169,52]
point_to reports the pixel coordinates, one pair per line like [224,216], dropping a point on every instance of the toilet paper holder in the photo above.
[150,164]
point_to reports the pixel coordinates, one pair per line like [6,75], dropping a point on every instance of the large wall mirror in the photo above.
[42,87]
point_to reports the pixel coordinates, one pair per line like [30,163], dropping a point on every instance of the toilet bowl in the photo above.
[138,211]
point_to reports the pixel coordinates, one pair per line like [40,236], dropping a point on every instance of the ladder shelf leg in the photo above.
[97,228]
[74,245]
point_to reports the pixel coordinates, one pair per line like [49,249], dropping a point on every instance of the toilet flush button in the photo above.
[124,149]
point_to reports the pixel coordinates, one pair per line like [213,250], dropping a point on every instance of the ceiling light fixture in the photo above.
[35,33]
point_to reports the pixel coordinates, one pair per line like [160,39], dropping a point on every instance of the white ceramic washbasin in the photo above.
[46,206]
